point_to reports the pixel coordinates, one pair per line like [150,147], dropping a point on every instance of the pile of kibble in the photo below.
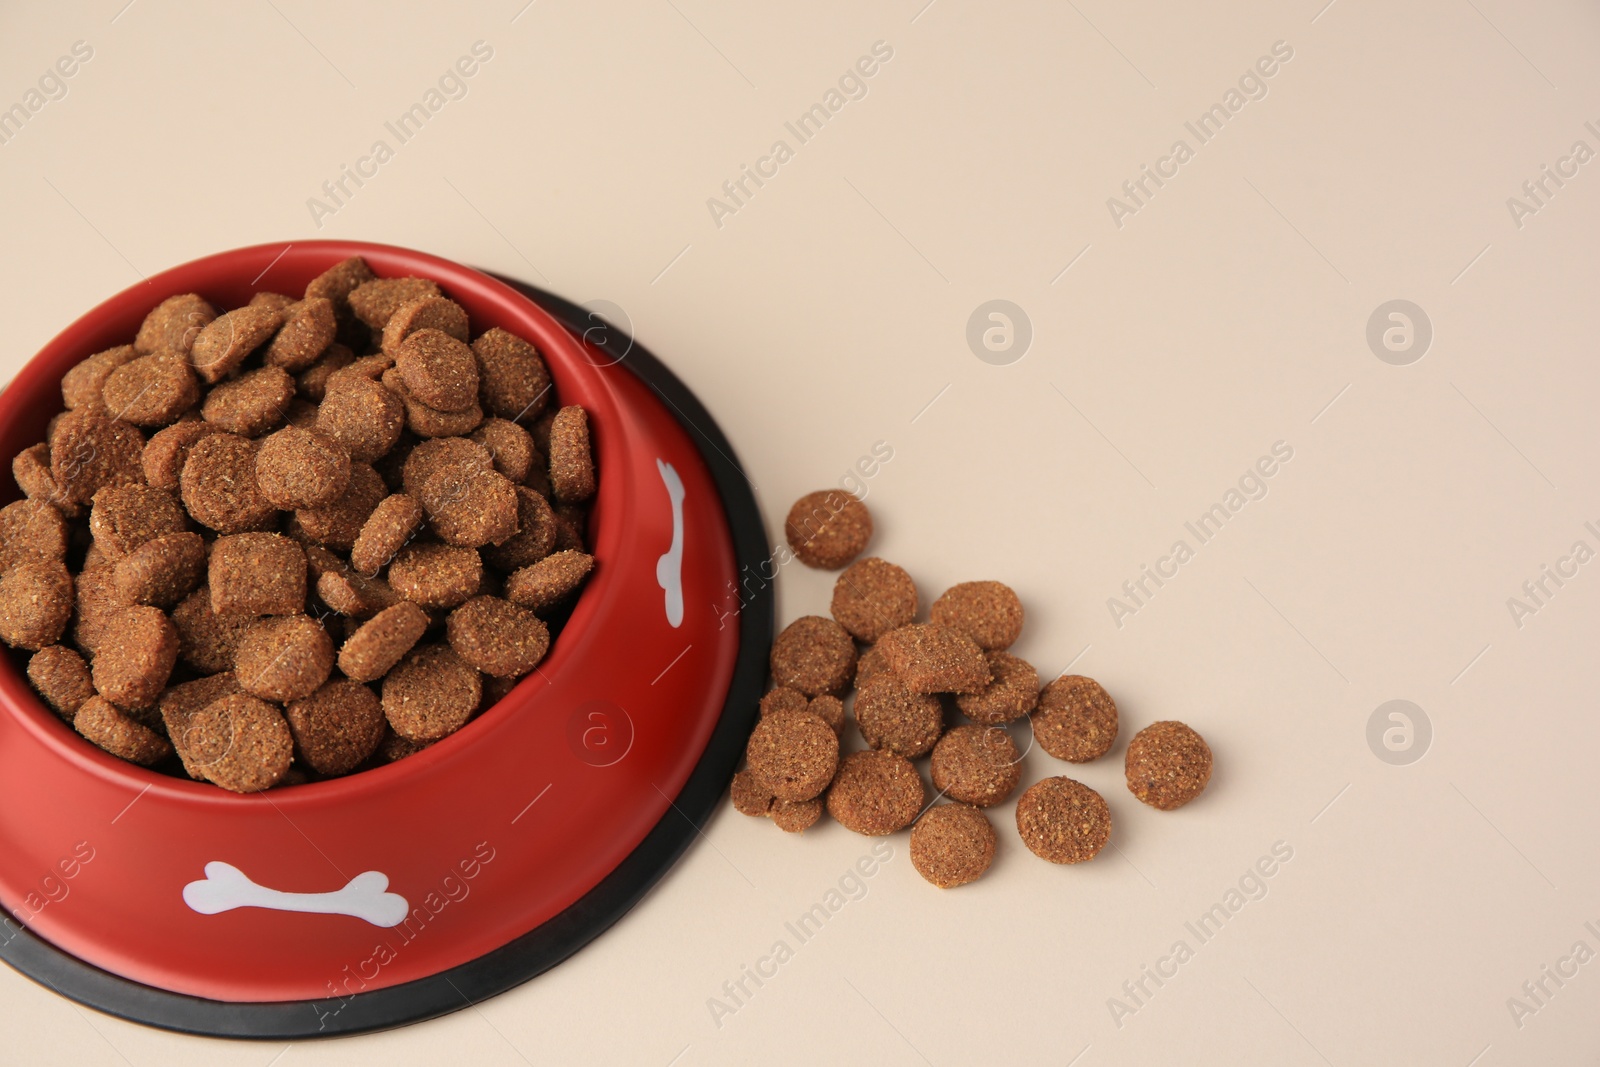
[910,679]
[350,529]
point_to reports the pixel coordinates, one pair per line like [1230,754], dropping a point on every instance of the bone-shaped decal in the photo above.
[669,568]
[226,887]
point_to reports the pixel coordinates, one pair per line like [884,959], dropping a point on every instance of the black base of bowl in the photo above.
[538,950]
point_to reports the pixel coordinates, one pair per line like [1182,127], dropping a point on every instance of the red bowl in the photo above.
[503,847]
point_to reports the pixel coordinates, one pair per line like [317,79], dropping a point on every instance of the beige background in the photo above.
[1228,314]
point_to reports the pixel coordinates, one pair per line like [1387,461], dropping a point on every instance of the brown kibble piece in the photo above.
[385,532]
[223,344]
[179,705]
[535,537]
[1168,765]
[952,844]
[83,385]
[750,797]
[513,380]
[876,792]
[436,576]
[497,637]
[892,717]
[1076,719]
[872,597]
[175,324]
[570,522]
[469,507]
[830,709]
[336,728]
[794,755]
[152,390]
[976,765]
[89,452]
[279,302]
[425,313]
[431,693]
[206,640]
[382,640]
[131,669]
[337,525]
[168,450]
[374,301]
[283,658]
[934,659]
[162,571]
[870,664]
[126,516]
[1011,693]
[427,421]
[31,469]
[438,370]
[572,474]
[354,595]
[35,603]
[239,742]
[119,734]
[251,404]
[361,415]
[394,748]
[96,602]
[828,529]
[1063,821]
[257,574]
[298,468]
[545,585]
[987,612]
[62,678]
[509,446]
[312,383]
[782,701]
[339,281]
[307,331]
[793,817]
[814,655]
[441,454]
[219,487]
[31,529]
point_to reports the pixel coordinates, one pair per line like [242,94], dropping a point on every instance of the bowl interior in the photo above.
[229,280]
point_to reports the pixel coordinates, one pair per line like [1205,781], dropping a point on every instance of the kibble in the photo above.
[1168,765]
[1012,692]
[1076,719]
[572,474]
[35,603]
[374,301]
[892,717]
[174,324]
[1063,821]
[425,313]
[535,537]
[206,640]
[430,694]
[934,659]
[218,485]
[512,378]
[119,733]
[89,452]
[547,584]
[794,756]
[952,844]
[385,532]
[361,415]
[83,385]
[988,612]
[976,765]
[224,343]
[873,597]
[162,571]
[152,390]
[828,529]
[381,641]
[297,468]
[168,450]
[336,728]
[62,678]
[125,517]
[251,404]
[814,655]
[875,792]
[131,670]
[308,329]
[31,530]
[436,576]
[257,574]
[497,637]
[240,743]
[283,658]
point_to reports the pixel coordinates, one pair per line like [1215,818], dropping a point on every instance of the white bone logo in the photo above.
[669,568]
[226,887]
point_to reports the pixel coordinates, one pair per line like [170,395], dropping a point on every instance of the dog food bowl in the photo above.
[420,887]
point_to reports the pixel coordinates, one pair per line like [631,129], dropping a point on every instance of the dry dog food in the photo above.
[1011,693]
[1063,821]
[875,792]
[828,529]
[1168,765]
[952,844]
[1076,719]
[976,764]
[814,655]
[793,756]
[244,525]
[935,659]
[872,597]
[988,612]
[892,717]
